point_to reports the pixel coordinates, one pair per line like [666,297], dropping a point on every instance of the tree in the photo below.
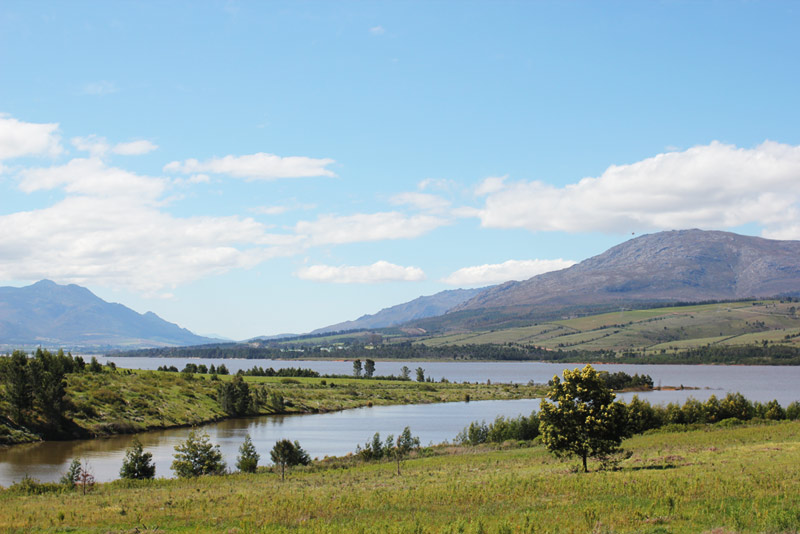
[197,456]
[406,372]
[369,368]
[420,374]
[16,378]
[357,368]
[137,465]
[70,478]
[404,445]
[582,418]
[285,453]
[247,462]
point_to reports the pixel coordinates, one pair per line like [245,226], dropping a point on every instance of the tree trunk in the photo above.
[398,465]
[283,472]
[585,468]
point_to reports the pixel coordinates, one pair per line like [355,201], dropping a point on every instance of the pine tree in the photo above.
[137,463]
[247,462]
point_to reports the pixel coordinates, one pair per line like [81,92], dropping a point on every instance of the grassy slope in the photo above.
[123,401]
[722,480]
[670,328]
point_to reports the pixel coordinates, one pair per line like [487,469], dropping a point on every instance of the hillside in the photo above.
[674,266]
[419,308]
[659,330]
[54,315]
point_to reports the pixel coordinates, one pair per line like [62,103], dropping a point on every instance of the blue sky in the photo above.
[251,168]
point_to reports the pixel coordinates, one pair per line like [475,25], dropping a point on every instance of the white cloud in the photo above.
[377,30]
[99,147]
[91,176]
[330,229]
[134,148]
[258,166]
[421,201]
[436,184]
[480,275]
[95,145]
[99,88]
[380,271]
[709,186]
[111,229]
[279,210]
[491,185]
[20,139]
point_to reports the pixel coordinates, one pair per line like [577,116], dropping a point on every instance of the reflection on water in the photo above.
[338,433]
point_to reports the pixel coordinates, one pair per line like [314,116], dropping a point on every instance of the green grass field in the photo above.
[716,480]
[128,401]
[667,328]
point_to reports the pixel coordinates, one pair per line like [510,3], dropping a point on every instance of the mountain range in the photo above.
[71,316]
[419,308]
[672,266]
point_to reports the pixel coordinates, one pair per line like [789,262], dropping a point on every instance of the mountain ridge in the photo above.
[672,266]
[53,315]
[419,308]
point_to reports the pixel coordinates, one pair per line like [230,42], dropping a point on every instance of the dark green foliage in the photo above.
[793,411]
[36,387]
[519,428]
[369,368]
[247,462]
[287,454]
[406,373]
[357,368]
[622,380]
[197,456]
[234,397]
[376,449]
[581,417]
[94,366]
[137,463]
[420,374]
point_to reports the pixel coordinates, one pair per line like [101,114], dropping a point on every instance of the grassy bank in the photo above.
[125,401]
[716,479]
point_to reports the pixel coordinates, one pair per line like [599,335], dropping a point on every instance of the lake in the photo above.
[334,434]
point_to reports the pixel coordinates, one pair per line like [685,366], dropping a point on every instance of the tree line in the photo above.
[35,387]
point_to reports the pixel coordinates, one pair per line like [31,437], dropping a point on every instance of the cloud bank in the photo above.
[709,186]
[503,272]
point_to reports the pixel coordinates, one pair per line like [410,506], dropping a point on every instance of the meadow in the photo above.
[116,401]
[652,331]
[717,479]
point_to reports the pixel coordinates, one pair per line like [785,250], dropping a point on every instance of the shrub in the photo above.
[197,456]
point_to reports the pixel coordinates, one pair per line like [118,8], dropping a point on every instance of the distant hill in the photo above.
[71,316]
[419,308]
[673,266]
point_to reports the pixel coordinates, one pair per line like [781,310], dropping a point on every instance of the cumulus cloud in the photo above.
[421,201]
[112,229]
[709,186]
[134,148]
[258,166]
[380,271]
[330,229]
[20,139]
[91,176]
[503,272]
[99,147]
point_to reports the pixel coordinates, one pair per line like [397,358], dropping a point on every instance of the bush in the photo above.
[137,463]
[197,456]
